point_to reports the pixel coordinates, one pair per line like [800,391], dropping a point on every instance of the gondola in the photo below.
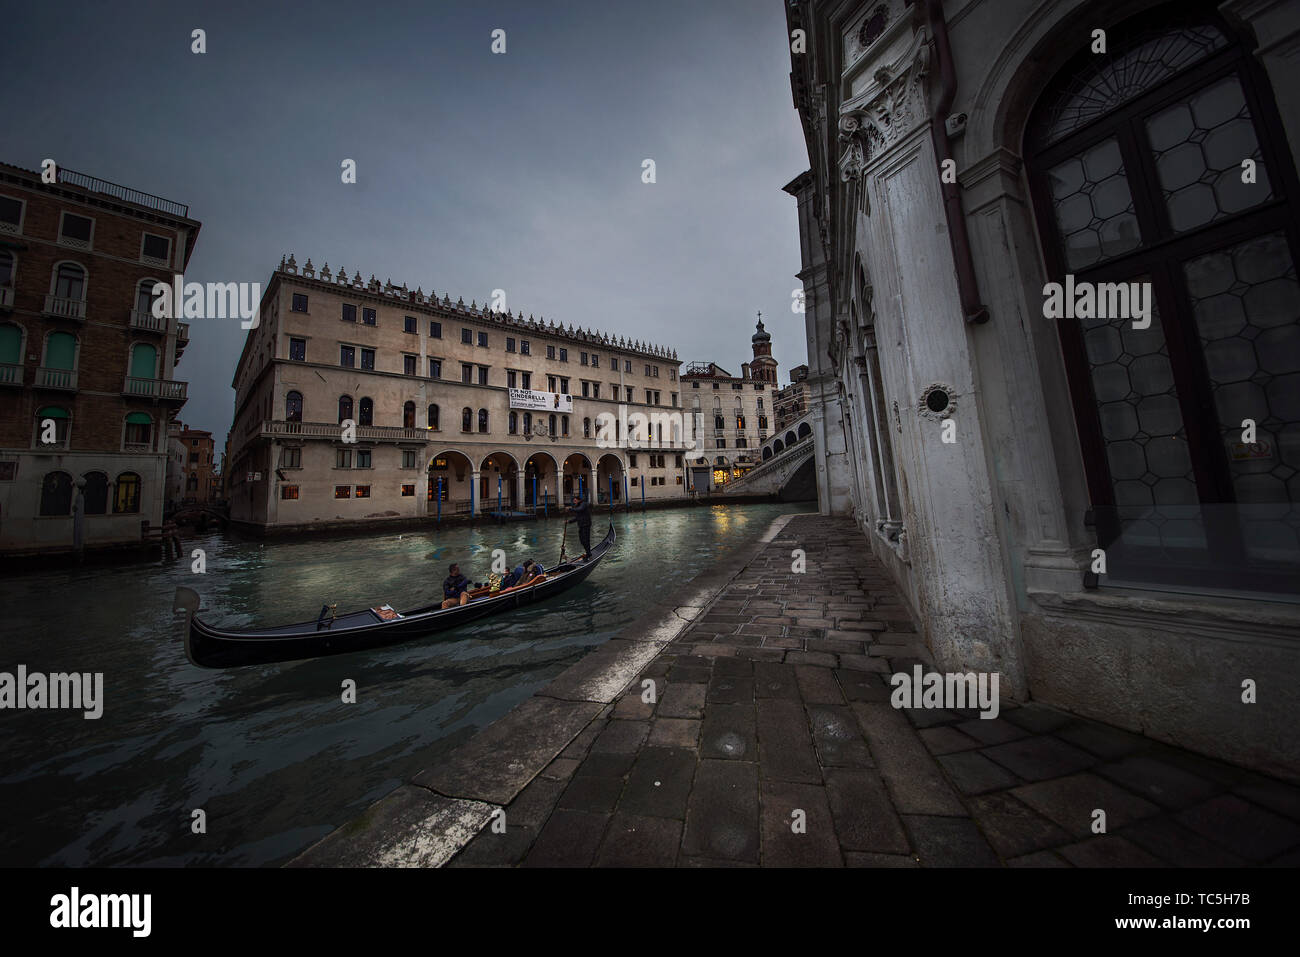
[210,647]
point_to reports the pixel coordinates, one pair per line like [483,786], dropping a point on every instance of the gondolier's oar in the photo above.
[563,538]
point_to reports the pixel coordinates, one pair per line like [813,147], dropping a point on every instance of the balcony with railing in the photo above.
[97,185]
[327,430]
[145,319]
[166,389]
[11,374]
[65,308]
[62,379]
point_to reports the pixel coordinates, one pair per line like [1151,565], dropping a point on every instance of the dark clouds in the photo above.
[475,171]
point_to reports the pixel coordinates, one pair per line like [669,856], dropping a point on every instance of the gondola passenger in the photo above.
[455,588]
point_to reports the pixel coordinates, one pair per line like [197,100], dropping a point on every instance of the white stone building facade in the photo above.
[963,156]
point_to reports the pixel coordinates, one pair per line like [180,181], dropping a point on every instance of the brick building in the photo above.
[444,398]
[85,367]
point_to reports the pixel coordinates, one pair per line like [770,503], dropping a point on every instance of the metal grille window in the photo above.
[1136,164]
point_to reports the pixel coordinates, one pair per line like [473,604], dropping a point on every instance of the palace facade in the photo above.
[454,409]
[1101,507]
[734,413]
[86,369]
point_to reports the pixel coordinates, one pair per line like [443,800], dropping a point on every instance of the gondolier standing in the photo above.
[582,515]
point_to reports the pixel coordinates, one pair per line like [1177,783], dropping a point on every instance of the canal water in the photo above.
[271,753]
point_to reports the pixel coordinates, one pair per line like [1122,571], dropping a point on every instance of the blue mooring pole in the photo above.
[534,496]
[582,494]
[498,495]
[546,503]
[440,499]
[610,479]
[627,499]
[643,493]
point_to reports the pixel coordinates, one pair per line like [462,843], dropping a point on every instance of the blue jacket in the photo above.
[452,587]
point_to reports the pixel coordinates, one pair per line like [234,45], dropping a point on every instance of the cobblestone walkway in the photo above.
[776,701]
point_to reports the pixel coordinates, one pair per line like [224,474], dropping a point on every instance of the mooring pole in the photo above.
[439,499]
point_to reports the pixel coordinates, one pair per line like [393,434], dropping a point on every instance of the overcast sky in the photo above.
[475,171]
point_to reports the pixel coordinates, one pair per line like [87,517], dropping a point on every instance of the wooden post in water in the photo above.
[439,499]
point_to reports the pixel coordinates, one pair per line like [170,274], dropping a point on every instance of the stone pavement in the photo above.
[775,701]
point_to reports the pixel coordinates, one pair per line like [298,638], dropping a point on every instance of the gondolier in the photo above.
[375,627]
[582,515]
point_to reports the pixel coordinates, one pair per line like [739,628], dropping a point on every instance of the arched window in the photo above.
[60,351]
[467,419]
[719,422]
[790,438]
[95,493]
[139,430]
[564,425]
[550,424]
[778,446]
[512,423]
[126,495]
[767,451]
[144,361]
[408,415]
[367,411]
[586,428]
[56,494]
[528,423]
[805,430]
[1135,162]
[70,281]
[144,296]
[432,419]
[11,349]
[61,420]
[482,420]
[345,408]
[293,407]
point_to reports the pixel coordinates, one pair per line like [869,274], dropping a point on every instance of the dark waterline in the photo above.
[271,754]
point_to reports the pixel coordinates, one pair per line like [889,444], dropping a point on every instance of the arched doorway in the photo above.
[609,475]
[577,477]
[541,480]
[498,478]
[449,483]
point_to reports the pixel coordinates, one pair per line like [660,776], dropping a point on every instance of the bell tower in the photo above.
[763,368]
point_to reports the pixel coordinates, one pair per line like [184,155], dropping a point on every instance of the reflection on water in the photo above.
[270,753]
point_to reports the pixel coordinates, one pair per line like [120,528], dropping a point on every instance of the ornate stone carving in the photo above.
[892,106]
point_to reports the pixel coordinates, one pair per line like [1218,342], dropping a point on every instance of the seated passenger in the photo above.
[455,589]
[532,570]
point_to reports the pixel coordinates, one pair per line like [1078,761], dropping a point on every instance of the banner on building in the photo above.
[540,401]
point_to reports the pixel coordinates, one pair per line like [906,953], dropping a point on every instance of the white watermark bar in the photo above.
[671,429]
[952,690]
[213,300]
[37,691]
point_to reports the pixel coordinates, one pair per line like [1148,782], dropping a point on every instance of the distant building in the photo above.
[733,413]
[792,402]
[86,381]
[455,408]
[199,472]
[175,465]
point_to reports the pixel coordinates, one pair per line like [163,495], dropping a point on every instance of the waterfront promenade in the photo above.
[770,741]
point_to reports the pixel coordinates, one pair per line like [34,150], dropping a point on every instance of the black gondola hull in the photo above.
[210,647]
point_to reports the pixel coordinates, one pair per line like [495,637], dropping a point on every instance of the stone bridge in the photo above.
[787,466]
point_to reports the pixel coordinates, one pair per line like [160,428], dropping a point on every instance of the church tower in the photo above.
[763,368]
